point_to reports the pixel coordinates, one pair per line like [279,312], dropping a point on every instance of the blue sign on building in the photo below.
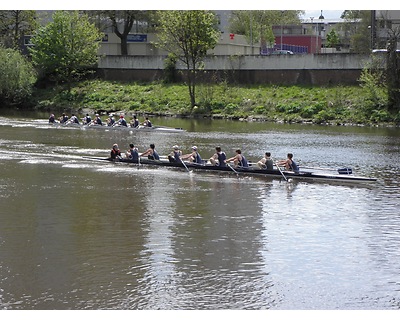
[137,38]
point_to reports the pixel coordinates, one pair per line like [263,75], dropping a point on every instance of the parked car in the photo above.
[282,52]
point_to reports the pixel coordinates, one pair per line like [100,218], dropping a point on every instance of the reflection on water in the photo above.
[76,233]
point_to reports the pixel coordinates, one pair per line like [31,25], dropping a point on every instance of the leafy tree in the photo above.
[17,77]
[14,24]
[356,30]
[188,35]
[332,39]
[67,47]
[256,25]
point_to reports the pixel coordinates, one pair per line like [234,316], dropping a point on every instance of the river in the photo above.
[81,234]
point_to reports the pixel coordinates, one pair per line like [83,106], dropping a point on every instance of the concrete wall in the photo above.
[321,69]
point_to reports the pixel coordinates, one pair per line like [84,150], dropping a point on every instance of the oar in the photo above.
[184,165]
[340,171]
[281,172]
[232,168]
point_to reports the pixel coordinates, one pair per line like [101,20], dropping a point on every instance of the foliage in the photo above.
[256,25]
[188,35]
[332,39]
[170,68]
[66,47]
[356,30]
[373,80]
[14,24]
[17,77]
[350,104]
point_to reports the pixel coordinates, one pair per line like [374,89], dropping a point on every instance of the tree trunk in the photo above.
[124,45]
[393,76]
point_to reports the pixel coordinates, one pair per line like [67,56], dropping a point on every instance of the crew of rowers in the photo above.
[111,122]
[217,159]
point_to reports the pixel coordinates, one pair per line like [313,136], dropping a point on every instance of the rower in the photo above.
[63,118]
[87,119]
[147,123]
[135,122]
[73,119]
[121,122]
[219,157]
[289,163]
[132,154]
[151,153]
[96,121]
[175,155]
[239,160]
[193,157]
[266,162]
[110,121]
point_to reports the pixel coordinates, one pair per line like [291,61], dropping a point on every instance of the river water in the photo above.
[77,233]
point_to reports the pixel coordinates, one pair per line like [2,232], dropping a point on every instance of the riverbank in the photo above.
[333,105]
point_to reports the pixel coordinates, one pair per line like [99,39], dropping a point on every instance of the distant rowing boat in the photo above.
[118,127]
[341,176]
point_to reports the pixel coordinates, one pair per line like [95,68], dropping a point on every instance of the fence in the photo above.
[291,47]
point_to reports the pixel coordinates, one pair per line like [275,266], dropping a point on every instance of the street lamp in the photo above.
[321,17]
[282,12]
[312,20]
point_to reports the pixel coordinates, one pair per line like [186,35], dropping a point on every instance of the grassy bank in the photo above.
[350,104]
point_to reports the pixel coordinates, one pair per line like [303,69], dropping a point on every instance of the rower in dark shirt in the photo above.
[132,154]
[239,160]
[151,153]
[219,157]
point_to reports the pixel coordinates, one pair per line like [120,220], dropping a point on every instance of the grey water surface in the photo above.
[80,233]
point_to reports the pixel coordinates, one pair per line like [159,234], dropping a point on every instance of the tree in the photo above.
[14,24]
[123,20]
[393,71]
[256,25]
[356,29]
[188,35]
[17,77]
[332,39]
[67,47]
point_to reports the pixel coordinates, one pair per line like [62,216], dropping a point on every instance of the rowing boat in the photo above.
[141,128]
[253,170]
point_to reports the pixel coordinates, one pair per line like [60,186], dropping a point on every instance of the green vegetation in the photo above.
[66,48]
[187,35]
[17,77]
[358,104]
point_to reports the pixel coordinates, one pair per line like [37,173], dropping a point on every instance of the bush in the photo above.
[17,77]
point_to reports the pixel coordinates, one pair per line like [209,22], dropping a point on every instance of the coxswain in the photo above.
[239,160]
[115,154]
[52,118]
[219,157]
